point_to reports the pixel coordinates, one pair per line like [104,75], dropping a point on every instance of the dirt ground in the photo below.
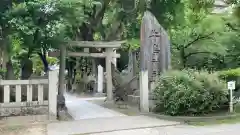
[24,130]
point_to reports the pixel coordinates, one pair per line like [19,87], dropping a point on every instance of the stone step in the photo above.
[98,125]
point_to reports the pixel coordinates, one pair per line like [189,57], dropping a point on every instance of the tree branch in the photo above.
[99,16]
[113,31]
[198,38]
[232,27]
[176,46]
[194,53]
[44,61]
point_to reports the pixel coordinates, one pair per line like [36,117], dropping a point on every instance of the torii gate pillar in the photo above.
[60,97]
[109,52]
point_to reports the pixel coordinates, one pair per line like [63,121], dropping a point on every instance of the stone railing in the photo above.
[24,88]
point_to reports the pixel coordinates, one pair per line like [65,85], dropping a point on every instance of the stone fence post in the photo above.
[52,93]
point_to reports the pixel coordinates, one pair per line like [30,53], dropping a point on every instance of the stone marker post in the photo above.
[100,79]
[53,91]
[130,65]
[144,58]
[95,74]
[114,59]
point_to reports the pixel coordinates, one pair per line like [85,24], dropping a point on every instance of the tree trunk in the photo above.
[43,57]
[1,58]
[183,58]
[87,35]
[70,69]
[10,71]
[4,59]
[27,69]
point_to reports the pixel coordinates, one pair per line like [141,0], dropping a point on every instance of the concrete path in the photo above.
[205,130]
[80,108]
[180,130]
[92,119]
[99,125]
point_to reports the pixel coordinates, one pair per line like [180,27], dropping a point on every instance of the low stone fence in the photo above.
[24,97]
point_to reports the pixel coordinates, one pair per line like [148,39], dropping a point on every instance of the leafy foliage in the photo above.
[231,75]
[38,67]
[190,93]
[43,24]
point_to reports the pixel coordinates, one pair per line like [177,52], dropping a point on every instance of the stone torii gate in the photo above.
[109,54]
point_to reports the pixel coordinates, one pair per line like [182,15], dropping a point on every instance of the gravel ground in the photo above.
[24,130]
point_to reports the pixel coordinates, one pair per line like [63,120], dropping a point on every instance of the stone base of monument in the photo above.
[63,115]
[137,93]
[109,102]
[99,94]
[135,101]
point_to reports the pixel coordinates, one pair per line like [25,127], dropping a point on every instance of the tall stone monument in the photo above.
[155,47]
[154,56]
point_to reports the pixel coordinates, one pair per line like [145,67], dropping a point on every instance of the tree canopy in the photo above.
[200,39]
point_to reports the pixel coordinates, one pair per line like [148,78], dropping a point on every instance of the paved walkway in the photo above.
[92,119]
[180,130]
[80,108]
[99,125]
[137,125]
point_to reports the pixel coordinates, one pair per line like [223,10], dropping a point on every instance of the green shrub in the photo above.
[190,93]
[232,75]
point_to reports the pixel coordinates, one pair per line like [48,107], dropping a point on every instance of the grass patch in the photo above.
[223,117]
[231,120]
[211,119]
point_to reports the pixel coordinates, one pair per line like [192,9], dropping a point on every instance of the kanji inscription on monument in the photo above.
[155,38]
[155,47]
